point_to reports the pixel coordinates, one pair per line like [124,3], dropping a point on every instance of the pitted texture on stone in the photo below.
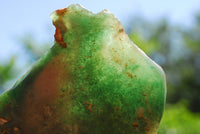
[94,80]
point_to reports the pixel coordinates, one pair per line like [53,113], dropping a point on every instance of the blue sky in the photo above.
[22,16]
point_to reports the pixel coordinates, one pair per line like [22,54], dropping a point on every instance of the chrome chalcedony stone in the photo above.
[94,80]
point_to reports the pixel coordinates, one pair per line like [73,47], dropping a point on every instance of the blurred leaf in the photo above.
[148,46]
[33,48]
[178,119]
[7,71]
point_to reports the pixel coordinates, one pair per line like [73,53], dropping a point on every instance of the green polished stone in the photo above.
[94,80]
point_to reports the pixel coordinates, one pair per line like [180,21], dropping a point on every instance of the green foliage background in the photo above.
[175,47]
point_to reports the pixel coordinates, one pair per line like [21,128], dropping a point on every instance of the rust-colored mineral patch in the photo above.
[82,89]
[121,30]
[3,121]
[61,12]
[135,124]
[130,75]
[141,116]
[89,106]
[140,113]
[59,38]
[16,129]
[60,28]
[117,108]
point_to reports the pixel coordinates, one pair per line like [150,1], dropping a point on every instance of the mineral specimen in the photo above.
[94,80]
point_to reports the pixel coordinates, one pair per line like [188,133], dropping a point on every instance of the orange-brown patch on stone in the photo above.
[60,31]
[121,30]
[61,12]
[117,108]
[46,85]
[59,38]
[44,94]
[89,106]
[4,132]
[135,124]
[147,125]
[126,65]
[130,75]
[140,113]
[3,121]
[16,129]
[141,116]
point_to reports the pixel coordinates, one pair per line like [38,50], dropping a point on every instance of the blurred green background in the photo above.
[174,46]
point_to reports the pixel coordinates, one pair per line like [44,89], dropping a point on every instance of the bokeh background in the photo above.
[168,31]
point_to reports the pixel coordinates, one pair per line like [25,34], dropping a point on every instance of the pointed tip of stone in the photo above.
[78,8]
[73,7]
[105,11]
